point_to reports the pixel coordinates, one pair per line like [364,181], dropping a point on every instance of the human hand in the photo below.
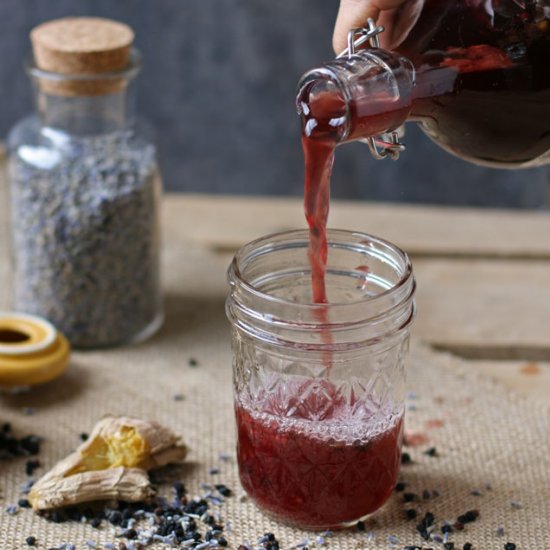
[396,16]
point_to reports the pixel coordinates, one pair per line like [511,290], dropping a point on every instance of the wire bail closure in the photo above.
[385,145]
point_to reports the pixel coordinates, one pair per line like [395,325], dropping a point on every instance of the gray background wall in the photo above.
[219,85]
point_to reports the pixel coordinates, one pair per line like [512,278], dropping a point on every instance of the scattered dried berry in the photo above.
[130,534]
[467,546]
[114,517]
[11,446]
[400,487]
[179,488]
[410,497]
[360,525]
[468,517]
[31,466]
[423,527]
[432,451]
[31,541]
[411,514]
[509,546]
[23,503]
[406,458]
[223,490]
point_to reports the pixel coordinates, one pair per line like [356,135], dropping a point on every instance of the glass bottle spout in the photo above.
[361,95]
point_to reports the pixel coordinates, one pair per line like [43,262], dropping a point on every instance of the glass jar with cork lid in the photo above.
[85,189]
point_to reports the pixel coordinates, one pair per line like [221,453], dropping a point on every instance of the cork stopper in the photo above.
[83,48]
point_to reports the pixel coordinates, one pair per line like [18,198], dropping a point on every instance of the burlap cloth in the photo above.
[487,435]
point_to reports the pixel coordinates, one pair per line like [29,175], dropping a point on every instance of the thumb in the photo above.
[351,14]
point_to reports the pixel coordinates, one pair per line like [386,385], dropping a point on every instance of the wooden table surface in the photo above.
[483,275]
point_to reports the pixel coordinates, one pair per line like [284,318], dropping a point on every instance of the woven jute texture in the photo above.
[490,441]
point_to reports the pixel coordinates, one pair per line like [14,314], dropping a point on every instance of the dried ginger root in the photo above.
[111,464]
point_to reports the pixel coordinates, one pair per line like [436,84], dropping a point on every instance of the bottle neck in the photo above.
[86,104]
[356,97]
[86,115]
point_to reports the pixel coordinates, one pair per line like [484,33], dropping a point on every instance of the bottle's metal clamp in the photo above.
[384,145]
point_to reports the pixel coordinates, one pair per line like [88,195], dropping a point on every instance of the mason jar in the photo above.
[85,193]
[319,388]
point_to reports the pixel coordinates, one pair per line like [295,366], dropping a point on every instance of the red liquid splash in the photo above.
[324,462]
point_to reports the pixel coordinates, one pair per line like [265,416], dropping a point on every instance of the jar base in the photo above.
[318,528]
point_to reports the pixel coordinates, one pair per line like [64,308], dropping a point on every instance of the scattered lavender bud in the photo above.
[432,451]
[406,458]
[31,466]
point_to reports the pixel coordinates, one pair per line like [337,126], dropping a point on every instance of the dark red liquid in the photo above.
[318,461]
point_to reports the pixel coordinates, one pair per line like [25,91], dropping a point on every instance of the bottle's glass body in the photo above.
[473,73]
[84,189]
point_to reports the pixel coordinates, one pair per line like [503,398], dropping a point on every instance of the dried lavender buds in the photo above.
[11,447]
[85,240]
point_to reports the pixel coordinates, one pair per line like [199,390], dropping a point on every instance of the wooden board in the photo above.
[227,222]
[483,276]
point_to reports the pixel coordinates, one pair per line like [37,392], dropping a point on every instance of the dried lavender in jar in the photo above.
[85,191]
[86,241]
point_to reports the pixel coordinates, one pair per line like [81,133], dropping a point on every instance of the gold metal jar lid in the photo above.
[32,350]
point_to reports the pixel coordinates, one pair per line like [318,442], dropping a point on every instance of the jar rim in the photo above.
[129,72]
[246,250]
